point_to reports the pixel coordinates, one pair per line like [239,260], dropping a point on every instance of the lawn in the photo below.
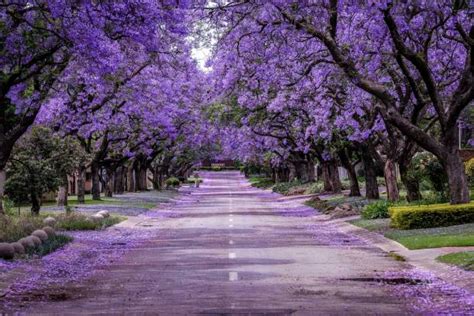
[463,260]
[451,236]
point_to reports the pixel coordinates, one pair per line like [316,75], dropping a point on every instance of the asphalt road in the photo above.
[230,249]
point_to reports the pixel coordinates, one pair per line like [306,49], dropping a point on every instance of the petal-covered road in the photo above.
[229,249]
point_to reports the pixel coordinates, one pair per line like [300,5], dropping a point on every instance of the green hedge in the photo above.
[434,215]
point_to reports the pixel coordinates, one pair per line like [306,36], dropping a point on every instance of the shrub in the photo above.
[314,188]
[172,182]
[435,215]
[82,222]
[375,210]
[14,228]
[284,187]
[469,166]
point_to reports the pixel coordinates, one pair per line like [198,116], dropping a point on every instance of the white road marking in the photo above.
[231,220]
[232,255]
[230,226]
[231,242]
[233,276]
[231,215]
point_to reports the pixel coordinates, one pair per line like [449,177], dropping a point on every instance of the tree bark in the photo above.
[95,169]
[391,180]
[334,177]
[81,185]
[457,180]
[371,186]
[35,203]
[118,178]
[3,178]
[131,178]
[109,183]
[354,182]
[63,191]
[326,176]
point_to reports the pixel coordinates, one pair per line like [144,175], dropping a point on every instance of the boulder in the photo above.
[346,206]
[104,213]
[27,243]
[35,240]
[7,251]
[41,234]
[96,217]
[50,231]
[49,221]
[19,249]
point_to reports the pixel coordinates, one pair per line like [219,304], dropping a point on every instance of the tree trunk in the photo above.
[95,169]
[35,203]
[130,178]
[142,177]
[334,177]
[81,185]
[3,178]
[63,191]
[391,180]
[354,182]
[457,180]
[371,186]
[326,176]
[118,178]
[109,183]
[412,185]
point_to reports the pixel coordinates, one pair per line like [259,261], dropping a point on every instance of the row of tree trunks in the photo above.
[331,180]
[280,174]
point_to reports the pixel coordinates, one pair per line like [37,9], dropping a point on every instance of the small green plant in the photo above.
[69,209]
[8,206]
[49,246]
[375,210]
[172,182]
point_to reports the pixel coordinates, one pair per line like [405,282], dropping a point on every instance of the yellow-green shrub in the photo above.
[434,215]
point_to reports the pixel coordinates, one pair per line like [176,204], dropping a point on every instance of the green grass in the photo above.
[373,225]
[49,246]
[421,242]
[451,236]
[261,182]
[464,260]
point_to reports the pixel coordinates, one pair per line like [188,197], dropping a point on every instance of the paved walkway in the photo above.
[230,249]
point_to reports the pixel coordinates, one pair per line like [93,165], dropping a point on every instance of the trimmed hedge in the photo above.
[434,215]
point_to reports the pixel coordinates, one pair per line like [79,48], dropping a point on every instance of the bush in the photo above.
[14,228]
[172,182]
[284,187]
[316,187]
[375,210]
[435,215]
[469,166]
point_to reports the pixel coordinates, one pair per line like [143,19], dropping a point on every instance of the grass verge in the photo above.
[451,236]
[463,260]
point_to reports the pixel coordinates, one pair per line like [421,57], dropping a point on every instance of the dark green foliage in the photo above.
[39,163]
[427,168]
[436,215]
[172,182]
[378,209]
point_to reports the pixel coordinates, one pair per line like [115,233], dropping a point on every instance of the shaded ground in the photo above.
[228,249]
[128,204]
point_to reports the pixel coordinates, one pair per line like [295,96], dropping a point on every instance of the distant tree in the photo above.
[39,164]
